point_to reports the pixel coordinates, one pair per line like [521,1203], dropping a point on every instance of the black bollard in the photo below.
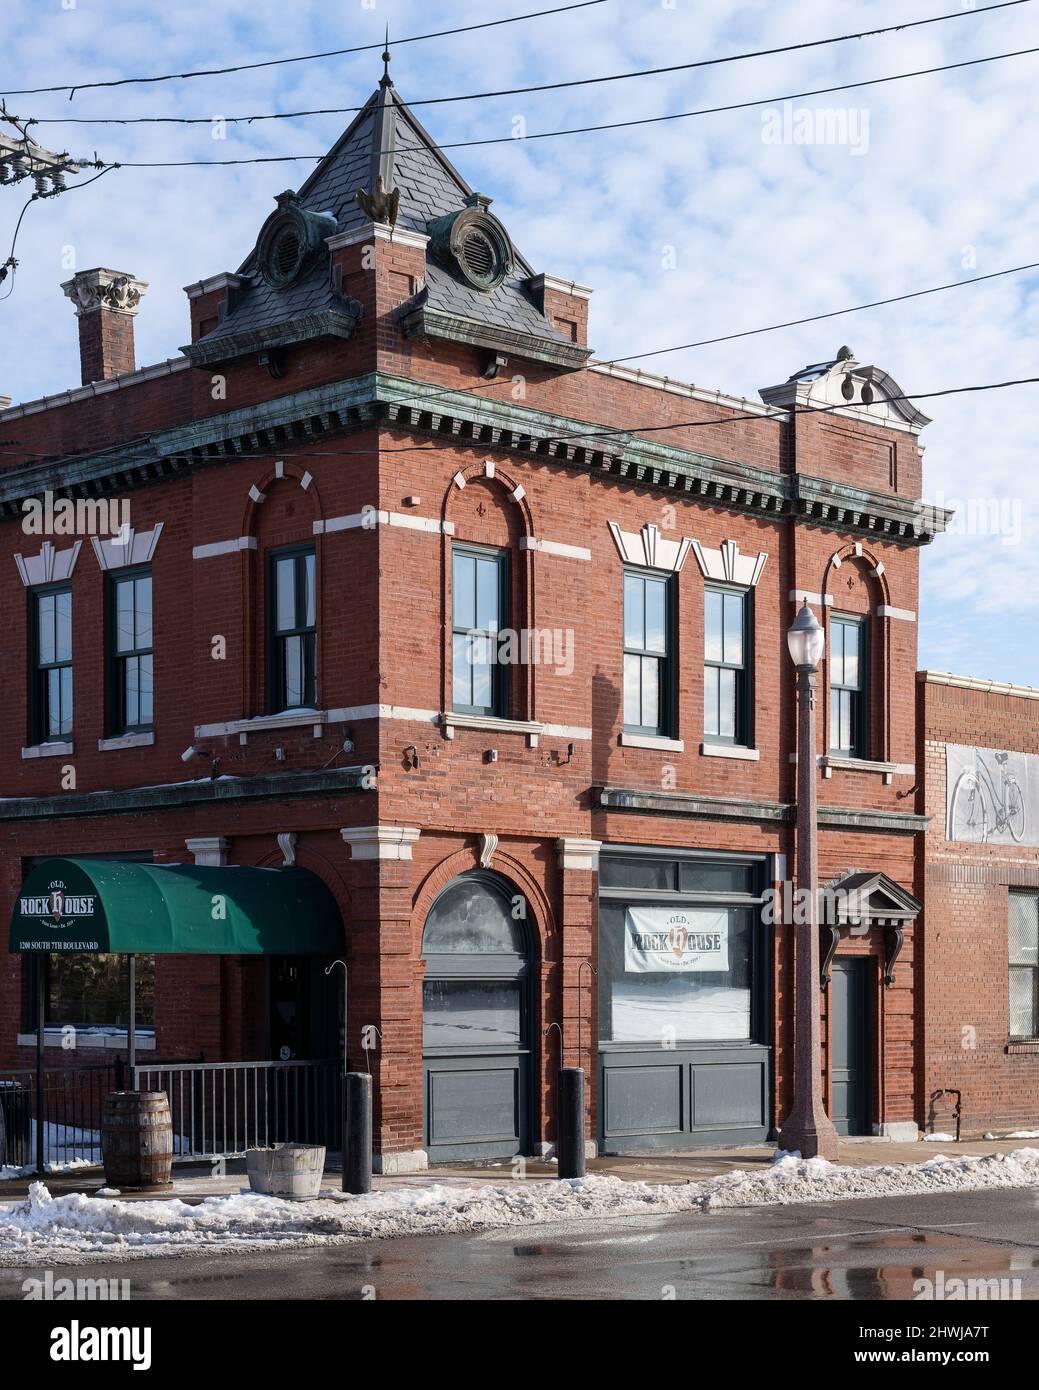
[357,1132]
[570,1123]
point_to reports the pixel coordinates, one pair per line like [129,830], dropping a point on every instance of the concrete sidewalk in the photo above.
[194,1182]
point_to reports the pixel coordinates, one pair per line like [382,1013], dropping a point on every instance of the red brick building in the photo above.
[979,933]
[490,637]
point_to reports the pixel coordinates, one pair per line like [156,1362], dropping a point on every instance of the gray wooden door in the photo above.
[851,1085]
[476,1058]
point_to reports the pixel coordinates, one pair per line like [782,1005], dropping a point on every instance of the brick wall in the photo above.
[384,615]
[965,1043]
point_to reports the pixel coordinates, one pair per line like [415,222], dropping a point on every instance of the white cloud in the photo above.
[761,232]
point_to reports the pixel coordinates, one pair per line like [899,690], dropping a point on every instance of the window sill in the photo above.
[886,770]
[730,750]
[56,1037]
[52,749]
[489,723]
[829,761]
[287,719]
[663,745]
[1023,1046]
[112,745]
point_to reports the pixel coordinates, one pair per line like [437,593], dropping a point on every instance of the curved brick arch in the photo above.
[487,470]
[464,860]
[279,472]
[855,550]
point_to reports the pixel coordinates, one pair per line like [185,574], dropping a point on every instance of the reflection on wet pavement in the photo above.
[868,1250]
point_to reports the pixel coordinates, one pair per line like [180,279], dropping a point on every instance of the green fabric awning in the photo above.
[133,908]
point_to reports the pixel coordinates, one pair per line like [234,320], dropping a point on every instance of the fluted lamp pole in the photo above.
[807,1128]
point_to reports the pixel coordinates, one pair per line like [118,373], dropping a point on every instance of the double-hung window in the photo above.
[1024,965]
[648,654]
[130,651]
[726,675]
[849,705]
[51,704]
[479,612]
[292,629]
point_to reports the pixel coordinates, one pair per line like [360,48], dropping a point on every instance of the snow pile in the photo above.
[77,1228]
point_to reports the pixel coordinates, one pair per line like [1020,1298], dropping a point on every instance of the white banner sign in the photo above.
[992,796]
[659,939]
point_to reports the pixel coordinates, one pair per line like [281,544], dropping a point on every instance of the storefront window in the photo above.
[675,966]
[91,992]
[471,1013]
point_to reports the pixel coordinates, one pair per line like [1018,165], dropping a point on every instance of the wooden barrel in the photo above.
[137,1141]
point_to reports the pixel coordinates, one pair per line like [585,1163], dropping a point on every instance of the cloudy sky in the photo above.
[687,230]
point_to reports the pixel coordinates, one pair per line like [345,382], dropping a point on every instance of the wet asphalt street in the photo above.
[872,1249]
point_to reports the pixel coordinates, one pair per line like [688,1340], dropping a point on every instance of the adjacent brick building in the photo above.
[979,933]
[490,637]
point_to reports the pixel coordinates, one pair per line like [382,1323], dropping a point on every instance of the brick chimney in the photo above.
[105,302]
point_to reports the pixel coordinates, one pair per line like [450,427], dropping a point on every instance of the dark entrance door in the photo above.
[289,981]
[476,1022]
[850,1072]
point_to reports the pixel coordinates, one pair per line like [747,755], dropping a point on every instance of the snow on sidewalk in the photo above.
[46,1230]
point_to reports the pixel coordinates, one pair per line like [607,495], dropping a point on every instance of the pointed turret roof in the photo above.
[385,141]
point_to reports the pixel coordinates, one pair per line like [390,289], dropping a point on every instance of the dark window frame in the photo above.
[860,721]
[39,697]
[1033,970]
[275,638]
[116,660]
[667,664]
[500,684]
[761,868]
[744,680]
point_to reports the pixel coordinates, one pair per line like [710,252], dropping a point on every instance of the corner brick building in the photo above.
[416,597]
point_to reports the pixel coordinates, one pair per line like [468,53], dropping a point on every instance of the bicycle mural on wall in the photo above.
[988,801]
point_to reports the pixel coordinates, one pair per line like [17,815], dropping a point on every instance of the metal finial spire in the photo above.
[387,80]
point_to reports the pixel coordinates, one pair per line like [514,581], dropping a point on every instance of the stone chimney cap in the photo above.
[100,288]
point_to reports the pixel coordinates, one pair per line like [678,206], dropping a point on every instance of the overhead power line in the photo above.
[830,314]
[525,91]
[73,87]
[580,130]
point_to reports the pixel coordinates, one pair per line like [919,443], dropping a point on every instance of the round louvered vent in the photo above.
[478,255]
[286,254]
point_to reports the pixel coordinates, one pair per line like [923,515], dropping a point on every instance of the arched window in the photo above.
[476,1020]
[474,915]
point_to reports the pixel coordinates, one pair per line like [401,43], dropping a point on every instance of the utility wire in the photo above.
[522,91]
[10,266]
[818,318]
[74,87]
[329,158]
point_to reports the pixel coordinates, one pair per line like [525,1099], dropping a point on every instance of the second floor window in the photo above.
[647,654]
[849,735]
[479,611]
[52,661]
[726,676]
[292,629]
[130,651]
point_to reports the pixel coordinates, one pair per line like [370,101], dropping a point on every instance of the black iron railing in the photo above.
[73,1098]
[217,1108]
[224,1108]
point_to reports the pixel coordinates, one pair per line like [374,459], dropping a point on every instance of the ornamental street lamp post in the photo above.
[808,1128]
